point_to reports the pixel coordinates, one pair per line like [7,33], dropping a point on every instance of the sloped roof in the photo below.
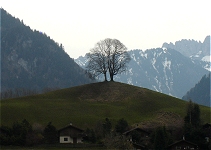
[183,141]
[71,126]
[137,129]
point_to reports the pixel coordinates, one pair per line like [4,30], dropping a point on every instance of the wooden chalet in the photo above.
[143,135]
[71,134]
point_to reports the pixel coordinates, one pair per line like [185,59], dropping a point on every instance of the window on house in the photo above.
[65,139]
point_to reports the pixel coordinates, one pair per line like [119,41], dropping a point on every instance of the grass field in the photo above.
[85,105]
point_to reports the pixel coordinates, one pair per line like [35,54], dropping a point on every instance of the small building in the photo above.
[143,133]
[71,134]
[139,137]
[182,144]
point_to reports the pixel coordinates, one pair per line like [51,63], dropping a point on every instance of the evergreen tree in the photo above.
[161,138]
[20,132]
[192,127]
[196,121]
[193,114]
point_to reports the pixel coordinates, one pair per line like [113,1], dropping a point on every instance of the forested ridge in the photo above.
[200,93]
[32,60]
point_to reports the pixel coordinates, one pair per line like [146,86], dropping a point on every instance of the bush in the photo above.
[21,134]
[50,134]
[121,126]
[117,142]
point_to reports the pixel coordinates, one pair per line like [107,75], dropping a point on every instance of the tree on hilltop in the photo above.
[97,58]
[108,55]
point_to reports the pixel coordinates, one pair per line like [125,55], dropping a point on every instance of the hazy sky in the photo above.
[138,24]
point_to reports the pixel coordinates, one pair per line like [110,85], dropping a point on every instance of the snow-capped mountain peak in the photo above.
[162,69]
[198,52]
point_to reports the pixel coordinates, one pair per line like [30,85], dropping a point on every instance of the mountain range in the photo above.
[32,60]
[197,51]
[164,69]
[191,48]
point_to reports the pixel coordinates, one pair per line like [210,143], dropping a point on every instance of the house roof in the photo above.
[137,129]
[71,126]
[182,141]
[138,146]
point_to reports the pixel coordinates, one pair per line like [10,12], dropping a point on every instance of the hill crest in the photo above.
[106,91]
[85,105]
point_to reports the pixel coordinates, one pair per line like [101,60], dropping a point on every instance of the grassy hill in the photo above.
[85,105]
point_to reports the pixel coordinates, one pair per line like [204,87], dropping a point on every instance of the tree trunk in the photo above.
[112,77]
[105,77]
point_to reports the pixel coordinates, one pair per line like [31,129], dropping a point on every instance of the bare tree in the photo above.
[108,55]
[118,58]
[97,58]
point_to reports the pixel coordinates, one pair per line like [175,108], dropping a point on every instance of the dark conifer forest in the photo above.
[201,92]
[31,60]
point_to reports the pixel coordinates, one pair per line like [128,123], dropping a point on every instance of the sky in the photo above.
[139,24]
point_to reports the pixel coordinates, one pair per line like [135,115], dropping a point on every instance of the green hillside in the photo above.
[85,105]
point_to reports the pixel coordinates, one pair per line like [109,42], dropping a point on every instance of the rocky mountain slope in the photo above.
[32,60]
[162,69]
